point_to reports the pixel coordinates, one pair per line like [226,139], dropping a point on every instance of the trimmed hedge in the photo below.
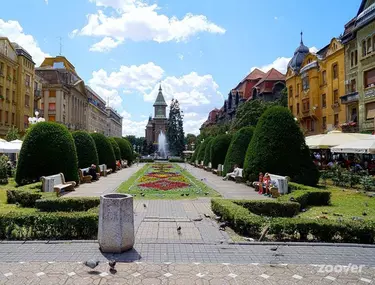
[146,160]
[194,157]
[131,154]
[219,149]
[86,149]
[116,148]
[180,160]
[239,218]
[105,150]
[207,152]
[48,149]
[278,147]
[54,226]
[202,149]
[237,148]
[125,150]
[25,198]
[67,204]
[270,208]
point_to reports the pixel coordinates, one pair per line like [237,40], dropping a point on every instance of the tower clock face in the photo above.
[159,112]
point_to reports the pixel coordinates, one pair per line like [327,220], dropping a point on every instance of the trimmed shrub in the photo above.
[23,197]
[3,169]
[105,150]
[278,147]
[86,149]
[219,149]
[270,208]
[237,148]
[48,149]
[54,226]
[175,159]
[67,204]
[125,149]
[207,152]
[116,148]
[194,157]
[202,149]
[131,154]
[239,218]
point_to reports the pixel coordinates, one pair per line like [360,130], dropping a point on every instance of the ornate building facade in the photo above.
[97,113]
[157,124]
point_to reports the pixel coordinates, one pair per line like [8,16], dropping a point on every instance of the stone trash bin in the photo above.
[116,223]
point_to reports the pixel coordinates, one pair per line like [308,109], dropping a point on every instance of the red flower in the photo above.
[164,185]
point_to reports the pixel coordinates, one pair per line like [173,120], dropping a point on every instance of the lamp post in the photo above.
[192,146]
[36,119]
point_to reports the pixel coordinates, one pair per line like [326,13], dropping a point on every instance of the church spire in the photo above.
[301,38]
[160,101]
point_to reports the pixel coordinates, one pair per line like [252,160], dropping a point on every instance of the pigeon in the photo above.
[144,205]
[187,194]
[179,230]
[142,194]
[206,193]
[112,264]
[92,263]
[364,214]
[274,248]
[182,194]
[222,226]
[207,215]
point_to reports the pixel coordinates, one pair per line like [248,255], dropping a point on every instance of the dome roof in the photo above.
[298,57]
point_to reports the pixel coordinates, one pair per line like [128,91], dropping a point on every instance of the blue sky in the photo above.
[197,49]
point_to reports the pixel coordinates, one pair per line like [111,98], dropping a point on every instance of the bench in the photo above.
[218,171]
[280,182]
[83,177]
[124,163]
[56,183]
[104,171]
[237,178]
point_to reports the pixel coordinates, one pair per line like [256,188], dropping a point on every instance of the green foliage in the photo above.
[194,157]
[67,204]
[86,149]
[105,150]
[175,129]
[219,149]
[43,226]
[237,148]
[214,130]
[48,149]
[130,155]
[12,134]
[24,198]
[278,147]
[270,208]
[367,183]
[3,169]
[146,160]
[239,218]
[176,159]
[125,149]
[207,152]
[202,149]
[116,148]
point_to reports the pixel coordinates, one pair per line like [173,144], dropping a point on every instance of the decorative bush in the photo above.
[116,148]
[278,147]
[202,149]
[207,152]
[146,160]
[194,157]
[23,197]
[43,226]
[219,149]
[3,169]
[86,149]
[132,154]
[105,150]
[48,149]
[237,148]
[270,208]
[67,204]
[125,149]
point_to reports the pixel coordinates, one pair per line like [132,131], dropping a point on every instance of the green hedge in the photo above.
[270,208]
[67,204]
[48,149]
[237,149]
[116,148]
[105,150]
[25,198]
[125,150]
[194,157]
[239,218]
[131,154]
[180,160]
[207,153]
[202,149]
[219,149]
[146,160]
[86,149]
[54,226]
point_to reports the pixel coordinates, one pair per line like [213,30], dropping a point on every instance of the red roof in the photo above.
[271,75]
[255,74]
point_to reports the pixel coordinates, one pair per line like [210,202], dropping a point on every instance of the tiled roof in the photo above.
[272,75]
[256,74]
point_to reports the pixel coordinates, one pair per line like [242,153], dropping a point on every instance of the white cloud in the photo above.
[106,44]
[136,128]
[46,1]
[180,56]
[276,18]
[138,21]
[14,31]
[313,49]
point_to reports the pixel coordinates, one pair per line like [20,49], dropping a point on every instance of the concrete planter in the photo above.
[116,223]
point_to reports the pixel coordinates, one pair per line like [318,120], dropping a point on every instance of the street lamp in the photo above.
[36,119]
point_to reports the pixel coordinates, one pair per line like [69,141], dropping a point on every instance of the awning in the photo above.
[366,146]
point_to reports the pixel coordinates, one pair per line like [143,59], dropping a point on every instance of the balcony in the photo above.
[37,94]
[369,92]
[335,105]
[349,98]
[349,127]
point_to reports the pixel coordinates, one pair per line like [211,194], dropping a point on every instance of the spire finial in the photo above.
[160,87]
[301,38]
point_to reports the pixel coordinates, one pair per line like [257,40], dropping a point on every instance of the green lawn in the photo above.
[195,189]
[348,203]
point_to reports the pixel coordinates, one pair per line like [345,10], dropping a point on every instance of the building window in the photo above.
[324,123]
[373,43]
[1,116]
[14,96]
[353,116]
[52,106]
[353,58]
[13,118]
[6,117]
[324,77]
[1,92]
[305,83]
[335,71]
[369,79]
[370,110]
[51,118]
[7,94]
[336,120]
[369,46]
[290,91]
[27,80]
[353,86]
[356,57]
[27,100]
[297,108]
[306,105]
[335,96]
[324,101]
[297,91]
[291,108]
[1,68]
[52,93]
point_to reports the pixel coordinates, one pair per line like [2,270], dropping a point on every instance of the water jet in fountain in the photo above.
[162,145]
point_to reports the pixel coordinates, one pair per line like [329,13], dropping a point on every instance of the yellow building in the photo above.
[315,83]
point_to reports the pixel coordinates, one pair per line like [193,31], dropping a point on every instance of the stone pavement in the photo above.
[105,184]
[228,189]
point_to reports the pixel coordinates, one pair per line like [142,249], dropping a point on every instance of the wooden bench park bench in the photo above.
[84,177]
[281,185]
[218,171]
[104,171]
[56,183]
[237,178]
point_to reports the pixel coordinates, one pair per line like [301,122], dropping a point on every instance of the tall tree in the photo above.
[190,140]
[175,129]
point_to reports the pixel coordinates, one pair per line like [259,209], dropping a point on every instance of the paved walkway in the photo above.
[228,189]
[105,184]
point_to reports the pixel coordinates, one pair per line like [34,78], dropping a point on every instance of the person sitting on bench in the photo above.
[92,172]
[236,172]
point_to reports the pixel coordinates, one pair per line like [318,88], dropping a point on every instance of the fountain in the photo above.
[162,146]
